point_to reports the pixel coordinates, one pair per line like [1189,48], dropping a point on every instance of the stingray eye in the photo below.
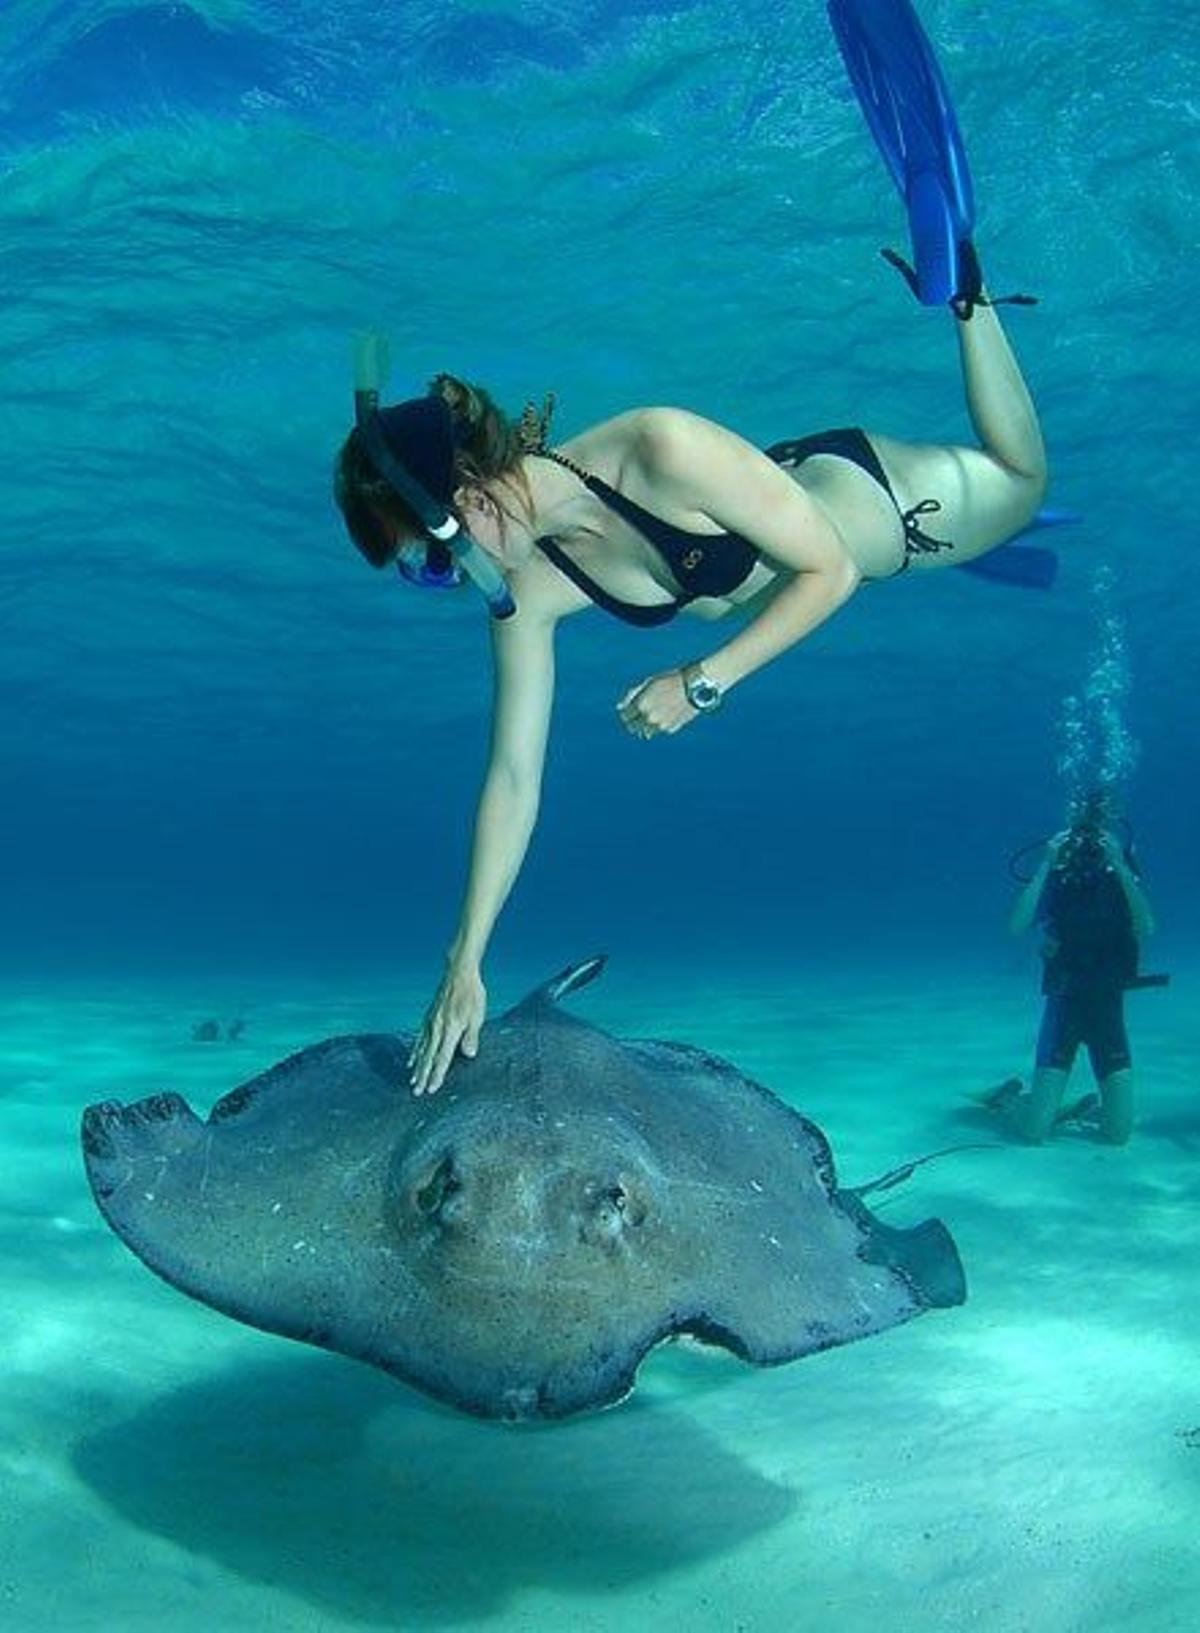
[614,1210]
[626,1202]
[441,1185]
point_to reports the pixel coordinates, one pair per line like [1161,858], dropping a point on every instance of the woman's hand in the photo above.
[656,705]
[452,1022]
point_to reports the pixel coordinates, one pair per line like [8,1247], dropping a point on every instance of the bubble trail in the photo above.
[1098,752]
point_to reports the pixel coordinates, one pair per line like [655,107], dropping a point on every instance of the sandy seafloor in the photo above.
[1030,1461]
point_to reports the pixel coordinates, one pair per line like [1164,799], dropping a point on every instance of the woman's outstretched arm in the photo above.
[523,651]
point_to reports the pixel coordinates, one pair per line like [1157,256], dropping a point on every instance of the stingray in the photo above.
[517,1243]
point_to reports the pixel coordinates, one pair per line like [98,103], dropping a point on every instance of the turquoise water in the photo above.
[1025,1462]
[237,771]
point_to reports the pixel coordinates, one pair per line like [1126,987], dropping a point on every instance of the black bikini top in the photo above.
[716,563]
[700,563]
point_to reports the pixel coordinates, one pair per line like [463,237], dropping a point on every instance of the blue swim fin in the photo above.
[1031,566]
[903,97]
[1027,565]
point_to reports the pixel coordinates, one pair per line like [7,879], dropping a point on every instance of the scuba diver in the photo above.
[659,510]
[1086,895]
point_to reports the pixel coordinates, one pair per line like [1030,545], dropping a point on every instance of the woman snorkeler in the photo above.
[646,515]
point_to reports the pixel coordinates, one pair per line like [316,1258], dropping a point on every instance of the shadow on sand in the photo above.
[1181,1127]
[339,1487]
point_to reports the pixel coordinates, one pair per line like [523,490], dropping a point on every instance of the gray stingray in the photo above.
[515,1244]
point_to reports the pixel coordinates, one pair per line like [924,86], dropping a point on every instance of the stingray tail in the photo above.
[897,1176]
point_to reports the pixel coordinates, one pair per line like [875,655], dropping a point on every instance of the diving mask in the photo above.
[411,446]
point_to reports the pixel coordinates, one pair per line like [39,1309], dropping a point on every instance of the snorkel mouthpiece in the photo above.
[432,569]
[455,552]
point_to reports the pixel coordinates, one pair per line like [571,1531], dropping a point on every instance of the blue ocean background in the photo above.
[227,742]
[238,767]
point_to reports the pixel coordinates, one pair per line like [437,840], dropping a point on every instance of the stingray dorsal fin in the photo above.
[568,980]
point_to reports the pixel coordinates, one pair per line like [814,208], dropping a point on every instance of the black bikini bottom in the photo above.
[848,442]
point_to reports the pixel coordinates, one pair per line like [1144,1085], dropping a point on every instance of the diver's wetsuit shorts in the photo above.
[1096,1018]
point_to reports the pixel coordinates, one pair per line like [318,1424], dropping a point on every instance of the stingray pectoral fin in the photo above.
[117,1139]
[311,1085]
[271,1211]
[924,1255]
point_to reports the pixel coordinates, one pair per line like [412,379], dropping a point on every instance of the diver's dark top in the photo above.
[717,563]
[1089,926]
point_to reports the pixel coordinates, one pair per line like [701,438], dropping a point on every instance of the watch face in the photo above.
[703,693]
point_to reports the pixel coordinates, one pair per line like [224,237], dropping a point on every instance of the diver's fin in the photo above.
[900,89]
[1031,566]
[998,1096]
[1048,517]
[1084,1110]
[969,293]
[904,100]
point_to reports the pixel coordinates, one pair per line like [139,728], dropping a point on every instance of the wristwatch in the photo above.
[701,689]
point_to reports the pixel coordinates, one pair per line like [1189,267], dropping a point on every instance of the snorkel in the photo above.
[451,551]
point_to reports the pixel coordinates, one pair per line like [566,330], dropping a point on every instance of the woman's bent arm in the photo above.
[797,607]
[737,487]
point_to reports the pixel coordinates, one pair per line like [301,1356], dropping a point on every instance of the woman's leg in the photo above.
[998,399]
[986,494]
